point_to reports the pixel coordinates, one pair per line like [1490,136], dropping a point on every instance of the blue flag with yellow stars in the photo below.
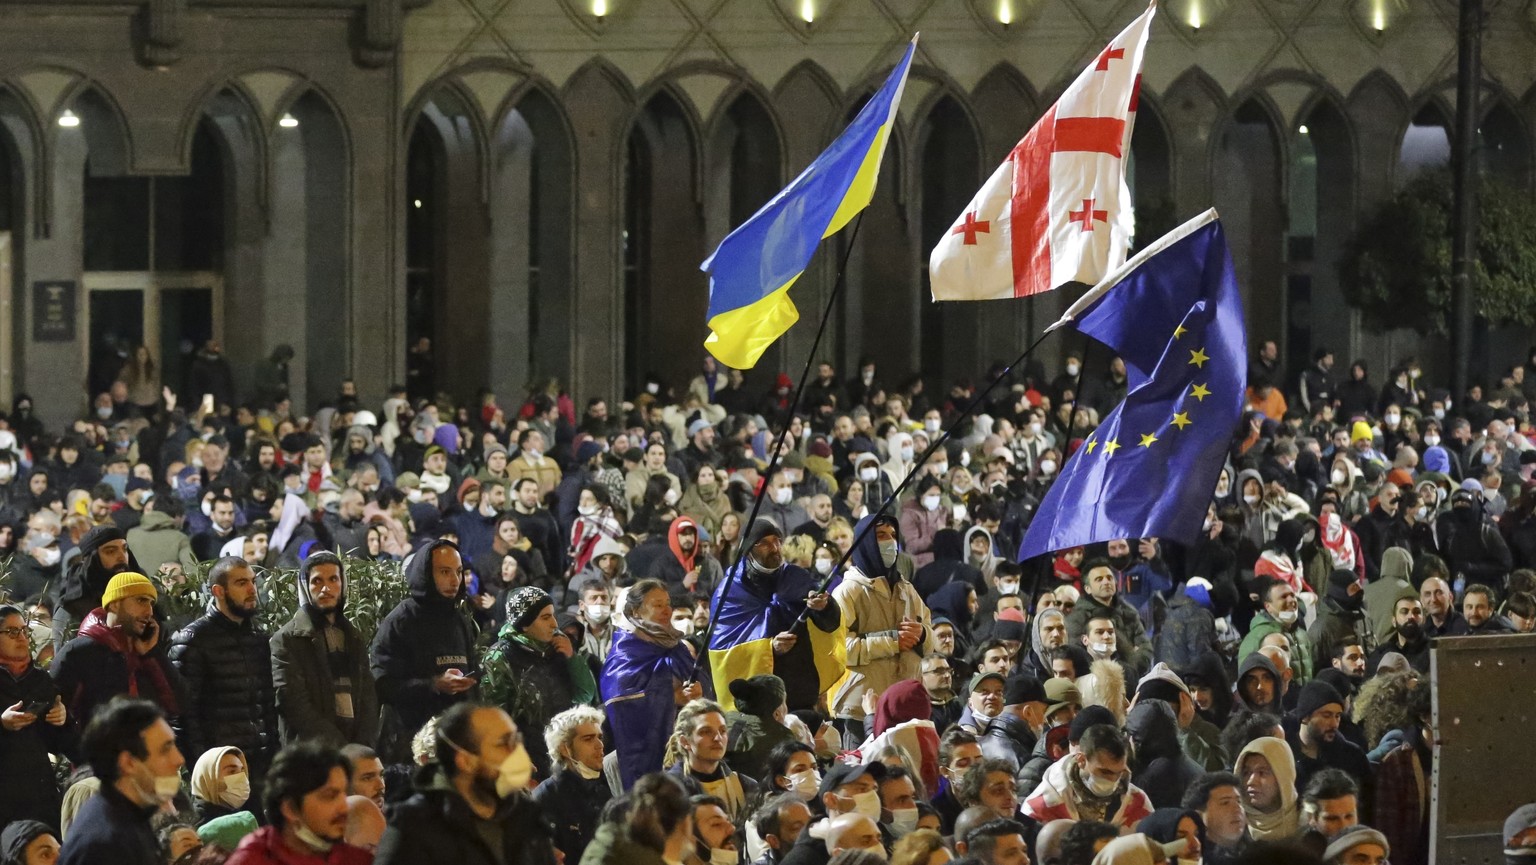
[1174,314]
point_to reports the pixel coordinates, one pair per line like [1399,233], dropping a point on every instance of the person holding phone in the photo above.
[33,724]
[120,650]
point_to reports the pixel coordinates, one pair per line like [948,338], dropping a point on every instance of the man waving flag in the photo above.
[1057,210]
[751,271]
[1175,315]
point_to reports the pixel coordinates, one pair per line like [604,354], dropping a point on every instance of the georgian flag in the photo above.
[1057,210]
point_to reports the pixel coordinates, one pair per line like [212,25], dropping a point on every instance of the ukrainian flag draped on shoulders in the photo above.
[751,609]
[750,273]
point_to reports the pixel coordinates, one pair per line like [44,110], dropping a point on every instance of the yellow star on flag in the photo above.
[1181,419]
[1200,392]
[1179,331]
[1092,443]
[1198,357]
[1147,440]
[1110,447]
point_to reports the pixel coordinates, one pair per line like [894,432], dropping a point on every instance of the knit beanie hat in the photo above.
[128,585]
[759,695]
[1314,696]
[1353,837]
[1090,716]
[1162,683]
[1361,431]
[525,604]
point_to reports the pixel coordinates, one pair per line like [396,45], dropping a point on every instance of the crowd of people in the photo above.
[624,639]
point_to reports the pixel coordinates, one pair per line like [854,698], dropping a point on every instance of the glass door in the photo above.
[174,314]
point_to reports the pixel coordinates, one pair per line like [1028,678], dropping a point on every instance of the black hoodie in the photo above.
[1162,770]
[85,581]
[421,638]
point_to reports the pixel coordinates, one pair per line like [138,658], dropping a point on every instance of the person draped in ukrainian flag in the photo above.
[756,632]
[645,679]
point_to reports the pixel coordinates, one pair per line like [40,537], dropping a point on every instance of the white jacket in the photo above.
[873,610]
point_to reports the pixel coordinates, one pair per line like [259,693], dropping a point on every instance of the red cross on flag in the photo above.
[1057,210]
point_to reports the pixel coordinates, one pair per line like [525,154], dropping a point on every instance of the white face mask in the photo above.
[598,613]
[683,624]
[1392,419]
[587,772]
[7,471]
[931,425]
[868,474]
[1489,459]
[903,821]
[413,496]
[1008,587]
[867,804]
[1100,787]
[514,773]
[49,557]
[652,388]
[1102,649]
[888,551]
[906,454]
[1422,513]
[587,510]
[309,838]
[930,503]
[805,784]
[1287,617]
[722,856]
[1037,427]
[1073,368]
[1047,468]
[207,508]
[237,789]
[1432,440]
[783,495]
[1439,414]
[671,496]
[940,468]
[1251,500]
[1339,476]
[824,566]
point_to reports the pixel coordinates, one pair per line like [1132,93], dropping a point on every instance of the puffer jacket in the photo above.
[424,636]
[100,664]
[1162,770]
[1130,633]
[436,825]
[534,683]
[84,580]
[1188,632]
[230,700]
[30,791]
[873,606]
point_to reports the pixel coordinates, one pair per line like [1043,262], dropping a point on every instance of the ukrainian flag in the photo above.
[741,642]
[751,271]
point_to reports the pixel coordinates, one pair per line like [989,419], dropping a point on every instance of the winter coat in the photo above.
[918,527]
[229,697]
[1402,806]
[707,511]
[156,540]
[1382,595]
[572,806]
[266,846]
[750,740]
[1188,632]
[1337,626]
[1163,770]
[639,477]
[1057,799]
[304,684]
[1004,738]
[1130,634]
[420,639]
[84,580]
[110,828]
[613,846]
[873,607]
[534,683]
[99,665]
[1302,656]
[437,825]
[30,791]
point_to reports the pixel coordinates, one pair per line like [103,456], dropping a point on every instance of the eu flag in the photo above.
[1175,316]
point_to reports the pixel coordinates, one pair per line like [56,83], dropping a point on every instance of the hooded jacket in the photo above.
[533,682]
[1162,769]
[305,676]
[874,599]
[230,700]
[86,580]
[1340,621]
[420,639]
[1057,798]
[1282,823]
[1209,671]
[1258,661]
[100,664]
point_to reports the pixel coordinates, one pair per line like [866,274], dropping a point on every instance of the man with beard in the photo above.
[1050,627]
[119,651]
[685,565]
[320,664]
[1341,618]
[1312,731]
[756,630]
[226,662]
[471,806]
[1100,600]
[1258,684]
[1478,617]
[104,554]
[132,752]
[306,800]
[1407,637]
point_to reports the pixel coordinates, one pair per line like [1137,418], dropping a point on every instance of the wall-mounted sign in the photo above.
[53,311]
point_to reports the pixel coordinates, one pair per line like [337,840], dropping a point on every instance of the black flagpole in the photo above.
[773,458]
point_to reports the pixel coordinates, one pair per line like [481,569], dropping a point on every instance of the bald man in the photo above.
[1439,602]
[365,823]
[853,832]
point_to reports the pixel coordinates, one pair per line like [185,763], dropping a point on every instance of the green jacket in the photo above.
[1302,663]
[1202,743]
[613,846]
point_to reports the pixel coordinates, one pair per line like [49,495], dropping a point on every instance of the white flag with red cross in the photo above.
[1057,210]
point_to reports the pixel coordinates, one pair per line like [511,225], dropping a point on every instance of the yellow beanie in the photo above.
[128,585]
[1361,431]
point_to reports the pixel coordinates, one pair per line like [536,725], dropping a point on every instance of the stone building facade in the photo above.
[532,184]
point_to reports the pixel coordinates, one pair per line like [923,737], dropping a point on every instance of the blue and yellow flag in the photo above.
[750,272]
[1175,315]
[741,643]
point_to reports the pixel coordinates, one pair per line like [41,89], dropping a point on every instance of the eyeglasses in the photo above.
[13,633]
[939,671]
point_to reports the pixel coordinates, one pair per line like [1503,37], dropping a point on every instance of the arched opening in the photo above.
[1505,148]
[1149,174]
[1321,194]
[530,269]
[447,304]
[950,172]
[1249,196]
[666,296]
[1426,144]
[13,194]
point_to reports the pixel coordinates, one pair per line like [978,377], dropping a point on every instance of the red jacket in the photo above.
[265,846]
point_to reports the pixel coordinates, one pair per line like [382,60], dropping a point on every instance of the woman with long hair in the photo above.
[653,825]
[142,378]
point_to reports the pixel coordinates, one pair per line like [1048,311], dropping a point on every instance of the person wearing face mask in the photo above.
[220,784]
[877,484]
[756,724]
[1471,544]
[714,835]
[849,795]
[922,517]
[120,650]
[1281,615]
[1093,783]
[572,800]
[1341,619]
[28,736]
[888,630]
[757,630]
[472,804]
[36,567]
[132,751]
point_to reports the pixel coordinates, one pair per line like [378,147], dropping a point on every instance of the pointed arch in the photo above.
[1323,200]
[1248,184]
[1505,143]
[1426,142]
[1150,172]
[1006,105]
[1193,107]
[948,171]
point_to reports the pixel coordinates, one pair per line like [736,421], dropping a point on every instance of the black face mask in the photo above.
[1119,563]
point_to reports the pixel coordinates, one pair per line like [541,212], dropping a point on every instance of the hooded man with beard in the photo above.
[1260,686]
[1050,632]
[1341,617]
[758,607]
[226,662]
[320,669]
[104,554]
[120,650]
[424,655]
[888,623]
